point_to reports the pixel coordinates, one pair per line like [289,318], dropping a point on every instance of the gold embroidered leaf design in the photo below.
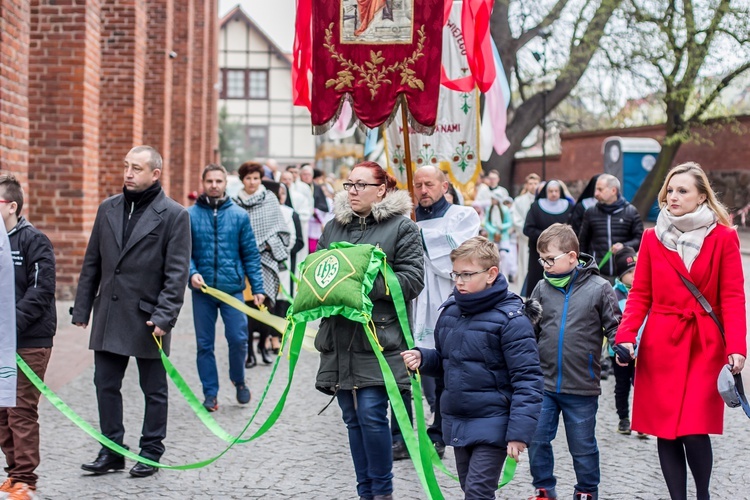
[408,76]
[373,73]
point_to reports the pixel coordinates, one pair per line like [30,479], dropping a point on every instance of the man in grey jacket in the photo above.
[134,276]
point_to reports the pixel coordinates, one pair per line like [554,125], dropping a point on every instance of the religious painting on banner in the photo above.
[371,52]
[454,146]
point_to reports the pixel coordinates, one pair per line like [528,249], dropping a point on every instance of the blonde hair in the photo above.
[479,250]
[704,187]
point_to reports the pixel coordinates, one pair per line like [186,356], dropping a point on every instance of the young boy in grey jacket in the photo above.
[579,308]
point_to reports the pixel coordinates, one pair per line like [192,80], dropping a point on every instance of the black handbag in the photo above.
[704,304]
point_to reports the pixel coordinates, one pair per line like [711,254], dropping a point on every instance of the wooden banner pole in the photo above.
[407,152]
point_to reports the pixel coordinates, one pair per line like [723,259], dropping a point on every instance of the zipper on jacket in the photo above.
[36,273]
[132,208]
[591,366]
[216,245]
[609,243]
[560,341]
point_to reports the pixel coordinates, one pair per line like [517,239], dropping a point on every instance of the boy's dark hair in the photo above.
[212,167]
[479,250]
[560,235]
[250,167]
[11,190]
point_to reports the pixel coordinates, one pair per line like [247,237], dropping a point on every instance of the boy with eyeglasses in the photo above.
[486,352]
[579,308]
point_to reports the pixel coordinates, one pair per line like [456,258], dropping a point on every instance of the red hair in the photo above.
[379,174]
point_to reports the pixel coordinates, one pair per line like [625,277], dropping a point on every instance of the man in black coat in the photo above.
[610,225]
[134,276]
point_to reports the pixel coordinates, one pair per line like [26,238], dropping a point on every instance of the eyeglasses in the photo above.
[467,276]
[358,186]
[551,262]
[5,201]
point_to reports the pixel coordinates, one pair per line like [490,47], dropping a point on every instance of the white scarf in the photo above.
[684,234]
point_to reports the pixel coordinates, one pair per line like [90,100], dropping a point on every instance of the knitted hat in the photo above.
[625,261]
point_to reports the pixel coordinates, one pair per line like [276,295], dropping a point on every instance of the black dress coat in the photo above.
[144,281]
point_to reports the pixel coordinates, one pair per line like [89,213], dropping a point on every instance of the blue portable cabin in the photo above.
[630,159]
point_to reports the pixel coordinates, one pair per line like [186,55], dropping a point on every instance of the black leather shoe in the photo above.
[399,451]
[143,470]
[105,462]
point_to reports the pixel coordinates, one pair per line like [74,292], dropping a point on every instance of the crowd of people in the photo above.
[498,371]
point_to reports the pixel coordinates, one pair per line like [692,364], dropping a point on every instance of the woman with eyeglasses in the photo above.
[370,210]
[683,348]
[551,206]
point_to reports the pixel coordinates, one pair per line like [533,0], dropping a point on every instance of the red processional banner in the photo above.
[371,52]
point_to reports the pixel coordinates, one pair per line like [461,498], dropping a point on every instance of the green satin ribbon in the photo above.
[420,446]
[605,259]
[297,337]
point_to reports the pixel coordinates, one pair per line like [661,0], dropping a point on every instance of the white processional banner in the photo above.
[454,147]
[7,324]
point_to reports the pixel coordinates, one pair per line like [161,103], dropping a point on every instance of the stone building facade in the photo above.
[81,82]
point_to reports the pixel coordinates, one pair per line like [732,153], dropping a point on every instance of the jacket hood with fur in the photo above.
[396,202]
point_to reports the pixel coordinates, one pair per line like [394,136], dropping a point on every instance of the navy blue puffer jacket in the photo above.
[224,247]
[487,354]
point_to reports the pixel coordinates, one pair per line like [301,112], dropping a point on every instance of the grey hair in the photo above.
[611,181]
[155,162]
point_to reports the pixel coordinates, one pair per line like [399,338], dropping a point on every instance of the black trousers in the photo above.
[623,380]
[479,468]
[109,370]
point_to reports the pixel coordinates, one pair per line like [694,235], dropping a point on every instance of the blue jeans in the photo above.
[579,417]
[369,439]
[205,310]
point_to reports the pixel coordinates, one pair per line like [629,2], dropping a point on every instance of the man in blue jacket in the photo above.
[224,252]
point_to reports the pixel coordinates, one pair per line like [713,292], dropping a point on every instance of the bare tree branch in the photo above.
[696,116]
[733,35]
[551,17]
[574,40]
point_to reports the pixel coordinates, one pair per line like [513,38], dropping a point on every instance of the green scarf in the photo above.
[560,280]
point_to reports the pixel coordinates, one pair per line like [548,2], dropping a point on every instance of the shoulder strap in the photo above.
[704,303]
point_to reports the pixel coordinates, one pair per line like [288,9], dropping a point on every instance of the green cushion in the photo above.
[337,281]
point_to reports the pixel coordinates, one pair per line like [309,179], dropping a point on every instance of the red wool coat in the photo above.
[681,350]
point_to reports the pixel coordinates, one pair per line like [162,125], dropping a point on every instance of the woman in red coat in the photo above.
[682,350]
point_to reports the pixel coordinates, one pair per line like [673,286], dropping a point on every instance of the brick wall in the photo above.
[14,81]
[80,84]
[64,69]
[123,66]
[722,150]
[157,121]
[182,99]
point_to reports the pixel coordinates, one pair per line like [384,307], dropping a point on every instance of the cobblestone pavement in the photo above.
[305,455]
